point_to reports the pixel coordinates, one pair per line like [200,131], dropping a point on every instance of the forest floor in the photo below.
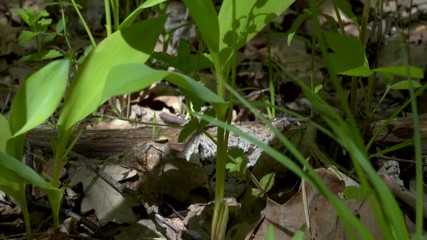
[176,180]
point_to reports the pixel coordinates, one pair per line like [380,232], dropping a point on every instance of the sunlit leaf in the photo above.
[38,97]
[249,17]
[132,77]
[133,44]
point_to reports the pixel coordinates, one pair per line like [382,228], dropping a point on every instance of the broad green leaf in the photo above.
[205,16]
[5,133]
[348,55]
[240,20]
[130,77]
[38,97]
[26,36]
[12,185]
[414,72]
[19,171]
[406,85]
[131,18]
[133,44]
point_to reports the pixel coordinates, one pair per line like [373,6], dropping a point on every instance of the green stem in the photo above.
[84,23]
[272,112]
[26,215]
[108,17]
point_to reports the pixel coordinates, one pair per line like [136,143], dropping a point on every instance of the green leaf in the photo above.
[47,54]
[349,56]
[186,60]
[270,234]
[414,72]
[44,22]
[406,85]
[345,7]
[26,36]
[239,161]
[295,25]
[131,17]
[5,133]
[249,18]
[60,26]
[133,44]
[354,192]
[38,97]
[205,16]
[26,15]
[20,171]
[266,183]
[136,76]
[49,37]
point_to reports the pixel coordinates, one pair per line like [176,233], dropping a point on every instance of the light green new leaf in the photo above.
[38,97]
[349,56]
[128,78]
[205,16]
[249,18]
[414,72]
[5,133]
[131,18]
[133,44]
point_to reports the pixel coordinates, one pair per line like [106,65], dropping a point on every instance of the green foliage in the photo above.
[186,60]
[39,24]
[354,192]
[266,183]
[270,234]
[34,102]
[344,47]
[238,161]
[133,44]
[131,18]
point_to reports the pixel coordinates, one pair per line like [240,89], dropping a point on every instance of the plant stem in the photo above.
[108,17]
[26,215]
[272,112]
[84,24]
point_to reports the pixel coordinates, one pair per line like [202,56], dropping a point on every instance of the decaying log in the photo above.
[106,143]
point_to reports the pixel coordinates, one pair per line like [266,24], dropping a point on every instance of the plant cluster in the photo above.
[122,56]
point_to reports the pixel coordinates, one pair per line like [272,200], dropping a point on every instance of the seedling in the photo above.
[39,32]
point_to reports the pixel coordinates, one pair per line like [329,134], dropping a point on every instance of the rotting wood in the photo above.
[106,143]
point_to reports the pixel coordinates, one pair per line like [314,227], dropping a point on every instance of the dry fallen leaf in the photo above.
[323,220]
[109,205]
